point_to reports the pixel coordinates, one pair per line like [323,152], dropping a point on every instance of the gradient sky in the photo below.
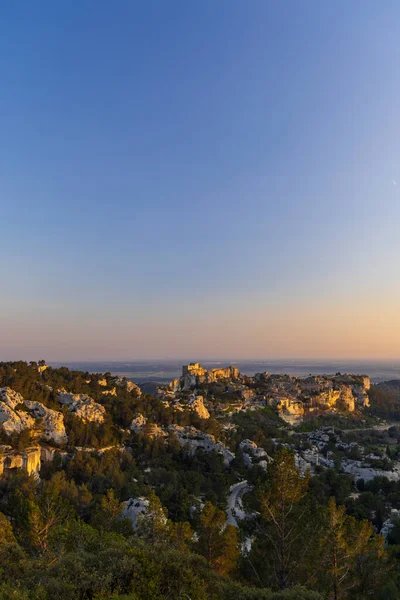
[200,178]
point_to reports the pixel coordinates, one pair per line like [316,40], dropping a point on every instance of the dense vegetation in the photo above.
[385,399]
[63,536]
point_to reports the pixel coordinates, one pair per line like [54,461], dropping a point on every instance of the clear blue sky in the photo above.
[199,178]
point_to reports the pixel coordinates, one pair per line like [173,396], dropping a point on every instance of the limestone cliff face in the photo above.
[83,406]
[294,397]
[195,374]
[12,420]
[29,459]
[196,404]
[290,410]
[17,414]
[52,422]
[174,385]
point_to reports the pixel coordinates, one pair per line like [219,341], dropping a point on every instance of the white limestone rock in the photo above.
[11,420]
[196,404]
[135,507]
[138,423]
[130,386]
[52,421]
[112,392]
[251,452]
[191,438]
[83,407]
[152,430]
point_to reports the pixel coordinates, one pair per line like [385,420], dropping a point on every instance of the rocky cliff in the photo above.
[194,374]
[295,397]
[17,414]
[13,417]
[52,422]
[29,459]
[83,406]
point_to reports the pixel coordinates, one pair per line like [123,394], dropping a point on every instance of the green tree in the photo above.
[346,553]
[284,533]
[6,531]
[153,525]
[217,543]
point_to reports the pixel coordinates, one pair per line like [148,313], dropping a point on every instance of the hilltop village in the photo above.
[210,438]
[226,390]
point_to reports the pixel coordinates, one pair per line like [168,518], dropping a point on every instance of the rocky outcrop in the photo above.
[140,425]
[112,392]
[295,397]
[290,410]
[252,454]
[138,509]
[196,404]
[48,453]
[130,386]
[12,420]
[135,507]
[17,414]
[83,407]
[29,459]
[174,385]
[195,374]
[52,422]
[192,439]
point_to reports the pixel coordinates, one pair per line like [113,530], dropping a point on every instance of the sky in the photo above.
[214,178]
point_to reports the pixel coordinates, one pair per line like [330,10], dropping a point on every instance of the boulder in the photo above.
[135,507]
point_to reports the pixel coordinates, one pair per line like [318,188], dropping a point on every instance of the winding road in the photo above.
[233,504]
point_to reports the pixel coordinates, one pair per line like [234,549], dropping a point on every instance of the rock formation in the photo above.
[194,374]
[130,386]
[83,406]
[191,438]
[140,425]
[253,454]
[196,404]
[12,420]
[51,420]
[135,507]
[29,459]
[295,397]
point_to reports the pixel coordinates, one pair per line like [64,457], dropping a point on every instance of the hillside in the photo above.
[178,486]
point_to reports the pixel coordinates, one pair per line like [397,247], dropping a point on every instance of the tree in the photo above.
[109,516]
[153,525]
[346,553]
[217,543]
[282,538]
[181,535]
[6,532]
